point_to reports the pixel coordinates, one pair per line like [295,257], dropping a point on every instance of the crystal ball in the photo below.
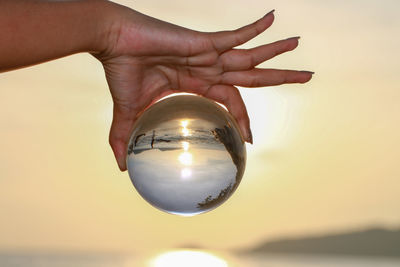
[186,155]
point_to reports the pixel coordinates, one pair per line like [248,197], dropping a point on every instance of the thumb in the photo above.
[123,119]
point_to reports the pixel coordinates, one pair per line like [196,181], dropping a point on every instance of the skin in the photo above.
[144,58]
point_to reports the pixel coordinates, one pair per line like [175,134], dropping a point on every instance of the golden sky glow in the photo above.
[325,154]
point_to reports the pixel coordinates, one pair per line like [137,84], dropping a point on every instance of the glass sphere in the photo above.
[186,155]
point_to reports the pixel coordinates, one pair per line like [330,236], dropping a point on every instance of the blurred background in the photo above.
[325,157]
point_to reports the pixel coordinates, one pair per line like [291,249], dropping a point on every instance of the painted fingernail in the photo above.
[310,72]
[121,164]
[269,13]
[250,137]
[121,159]
[292,38]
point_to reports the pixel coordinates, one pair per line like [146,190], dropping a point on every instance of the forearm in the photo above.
[35,31]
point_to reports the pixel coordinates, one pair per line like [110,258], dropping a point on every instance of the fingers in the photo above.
[265,77]
[225,40]
[241,59]
[229,96]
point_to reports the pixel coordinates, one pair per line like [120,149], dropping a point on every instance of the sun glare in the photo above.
[185,158]
[185,130]
[186,173]
[185,258]
[185,146]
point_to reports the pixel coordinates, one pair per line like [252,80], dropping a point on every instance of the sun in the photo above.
[186,258]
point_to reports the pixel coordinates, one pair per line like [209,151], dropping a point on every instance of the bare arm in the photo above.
[35,31]
[144,58]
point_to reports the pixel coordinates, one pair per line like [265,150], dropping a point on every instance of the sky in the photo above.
[325,153]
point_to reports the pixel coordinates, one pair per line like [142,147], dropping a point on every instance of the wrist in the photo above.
[107,25]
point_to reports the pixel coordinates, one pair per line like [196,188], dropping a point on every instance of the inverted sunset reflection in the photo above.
[185,155]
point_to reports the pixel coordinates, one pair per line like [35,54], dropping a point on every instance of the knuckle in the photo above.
[248,59]
[254,82]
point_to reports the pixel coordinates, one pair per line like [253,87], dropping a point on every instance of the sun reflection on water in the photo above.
[186,158]
[185,130]
[186,173]
[186,258]
[185,145]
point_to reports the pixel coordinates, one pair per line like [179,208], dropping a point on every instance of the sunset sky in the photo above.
[325,154]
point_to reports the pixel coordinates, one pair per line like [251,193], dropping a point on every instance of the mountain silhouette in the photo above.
[370,242]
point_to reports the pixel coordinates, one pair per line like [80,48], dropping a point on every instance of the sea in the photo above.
[189,258]
[171,138]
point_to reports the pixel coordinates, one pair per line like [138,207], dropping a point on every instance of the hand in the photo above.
[147,59]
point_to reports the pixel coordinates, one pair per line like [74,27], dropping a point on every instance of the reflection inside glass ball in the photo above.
[186,155]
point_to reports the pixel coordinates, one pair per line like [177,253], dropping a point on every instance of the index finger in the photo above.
[226,40]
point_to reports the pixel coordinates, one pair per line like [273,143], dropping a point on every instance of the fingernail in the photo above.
[121,166]
[311,72]
[293,38]
[121,159]
[269,13]
[250,137]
